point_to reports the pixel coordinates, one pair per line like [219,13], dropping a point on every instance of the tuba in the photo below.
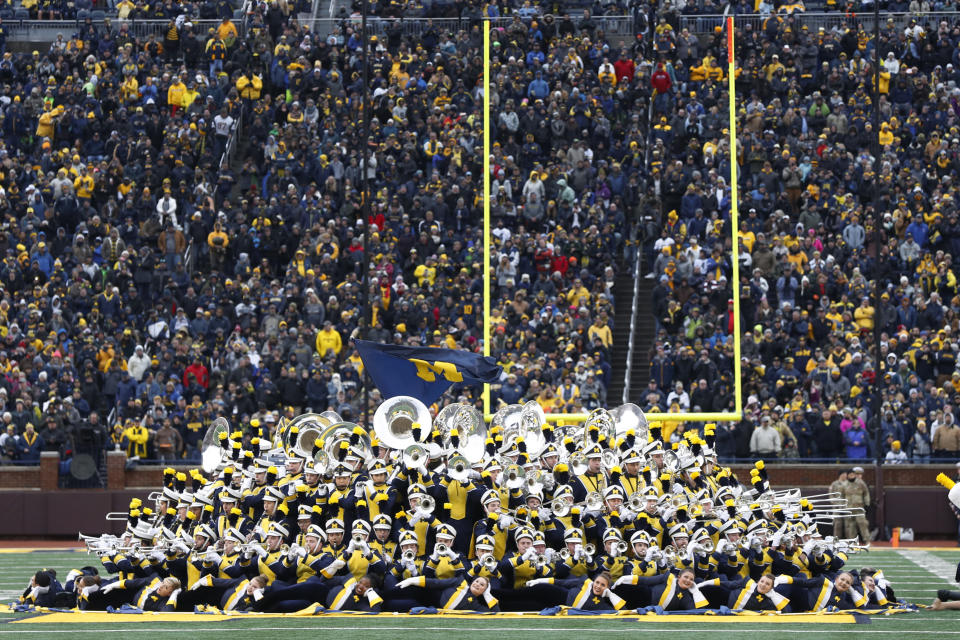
[395,418]
[630,416]
[302,446]
[470,429]
[532,419]
[211,453]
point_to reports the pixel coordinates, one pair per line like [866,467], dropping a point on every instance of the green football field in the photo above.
[915,573]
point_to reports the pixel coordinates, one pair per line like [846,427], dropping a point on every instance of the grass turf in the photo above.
[916,575]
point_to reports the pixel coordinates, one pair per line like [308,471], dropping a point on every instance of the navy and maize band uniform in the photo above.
[307,549]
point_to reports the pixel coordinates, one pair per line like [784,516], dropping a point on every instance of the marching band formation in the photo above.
[445,513]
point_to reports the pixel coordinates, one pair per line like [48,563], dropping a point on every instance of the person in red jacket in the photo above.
[624,68]
[661,80]
[198,371]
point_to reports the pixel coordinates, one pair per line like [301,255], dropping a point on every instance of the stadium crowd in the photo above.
[151,283]
[809,193]
[150,278]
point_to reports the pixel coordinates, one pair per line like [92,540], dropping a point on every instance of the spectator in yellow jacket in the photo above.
[328,339]
[175,95]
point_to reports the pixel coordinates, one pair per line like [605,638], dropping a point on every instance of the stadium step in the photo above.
[623,298]
[644,336]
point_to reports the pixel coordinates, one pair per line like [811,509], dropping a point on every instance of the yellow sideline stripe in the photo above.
[42,550]
[100,617]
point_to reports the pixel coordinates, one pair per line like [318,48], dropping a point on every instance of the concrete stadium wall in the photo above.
[34,507]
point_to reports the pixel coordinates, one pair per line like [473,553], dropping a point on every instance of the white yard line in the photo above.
[943,570]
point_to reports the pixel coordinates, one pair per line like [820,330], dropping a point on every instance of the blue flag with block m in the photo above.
[423,372]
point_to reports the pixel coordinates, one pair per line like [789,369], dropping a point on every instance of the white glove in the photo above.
[181,546]
[578,552]
[435,556]
[260,550]
[364,549]
[607,593]
[352,546]
[212,557]
[370,594]
[358,491]
[257,595]
[780,580]
[505,520]
[410,566]
[545,513]
[776,540]
[73,575]
[653,553]
[486,592]
[86,591]
[409,582]
[529,555]
[293,552]
[202,582]
[701,585]
[552,555]
[337,564]
[622,580]
[451,554]
[627,515]
[259,532]
[156,555]
[173,596]
[536,581]
[417,516]
[110,587]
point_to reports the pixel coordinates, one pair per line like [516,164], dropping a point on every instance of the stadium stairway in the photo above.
[644,334]
[623,295]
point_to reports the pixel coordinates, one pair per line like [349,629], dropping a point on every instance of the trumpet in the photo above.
[727,548]
[589,549]
[408,556]
[358,538]
[561,507]
[705,547]
[513,476]
[541,561]
[670,555]
[636,502]
[489,562]
[441,549]
[428,504]
[564,554]
[621,547]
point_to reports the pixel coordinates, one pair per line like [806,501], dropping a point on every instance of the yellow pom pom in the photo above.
[759,464]
[945,481]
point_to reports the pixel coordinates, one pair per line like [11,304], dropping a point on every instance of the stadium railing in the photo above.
[706,23]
